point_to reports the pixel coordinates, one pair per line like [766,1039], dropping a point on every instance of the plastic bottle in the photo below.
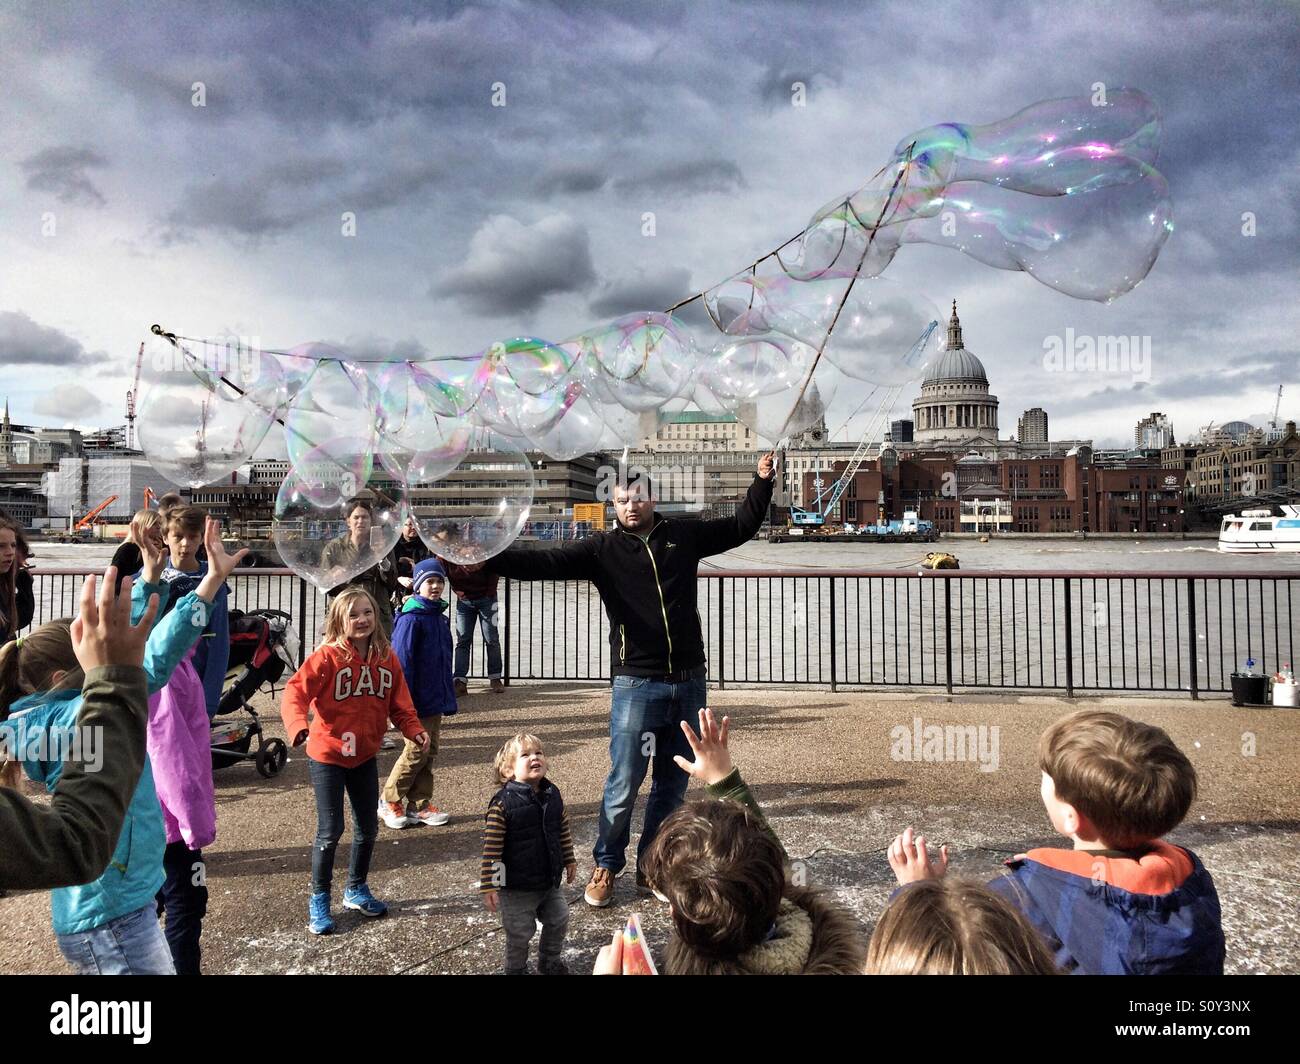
[1250,667]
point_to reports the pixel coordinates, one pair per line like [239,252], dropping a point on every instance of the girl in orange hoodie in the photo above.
[354,685]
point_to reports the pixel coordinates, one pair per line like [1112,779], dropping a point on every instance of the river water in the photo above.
[895,629]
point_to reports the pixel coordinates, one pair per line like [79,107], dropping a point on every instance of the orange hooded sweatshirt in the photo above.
[352,701]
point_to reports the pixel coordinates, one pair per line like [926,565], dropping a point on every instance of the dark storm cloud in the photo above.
[286,194]
[691,178]
[641,292]
[62,171]
[511,267]
[572,179]
[24,342]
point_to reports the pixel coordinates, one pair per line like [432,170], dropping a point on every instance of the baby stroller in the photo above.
[263,643]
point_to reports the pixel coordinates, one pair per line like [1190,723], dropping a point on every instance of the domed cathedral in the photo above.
[955,410]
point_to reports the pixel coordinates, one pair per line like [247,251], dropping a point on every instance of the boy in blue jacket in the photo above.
[1122,901]
[422,642]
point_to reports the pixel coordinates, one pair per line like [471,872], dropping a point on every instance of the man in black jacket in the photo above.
[645,572]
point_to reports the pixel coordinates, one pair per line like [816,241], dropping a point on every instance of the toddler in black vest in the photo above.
[526,847]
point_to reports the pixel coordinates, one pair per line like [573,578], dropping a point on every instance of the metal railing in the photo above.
[1055,630]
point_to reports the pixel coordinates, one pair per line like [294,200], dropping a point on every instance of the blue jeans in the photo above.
[129,945]
[361,783]
[485,610]
[644,726]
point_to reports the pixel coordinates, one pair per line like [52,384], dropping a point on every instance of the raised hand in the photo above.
[154,555]
[712,762]
[220,564]
[767,465]
[102,633]
[218,560]
[911,861]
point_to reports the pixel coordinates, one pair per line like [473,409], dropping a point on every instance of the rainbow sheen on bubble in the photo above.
[1065,190]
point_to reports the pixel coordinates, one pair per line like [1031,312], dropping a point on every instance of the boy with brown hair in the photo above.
[1122,900]
[737,906]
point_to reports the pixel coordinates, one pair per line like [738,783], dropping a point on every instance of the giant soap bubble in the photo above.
[465,530]
[203,413]
[332,525]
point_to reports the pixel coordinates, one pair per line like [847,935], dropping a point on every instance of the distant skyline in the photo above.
[123,204]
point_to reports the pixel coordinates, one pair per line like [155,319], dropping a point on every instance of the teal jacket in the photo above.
[41,729]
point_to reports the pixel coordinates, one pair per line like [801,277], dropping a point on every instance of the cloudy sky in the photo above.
[122,203]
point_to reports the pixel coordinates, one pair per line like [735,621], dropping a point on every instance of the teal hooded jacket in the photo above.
[40,730]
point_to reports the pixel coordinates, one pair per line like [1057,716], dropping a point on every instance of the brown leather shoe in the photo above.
[497,687]
[461,688]
[600,888]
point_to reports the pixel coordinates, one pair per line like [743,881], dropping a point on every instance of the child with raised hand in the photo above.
[736,909]
[180,748]
[71,840]
[1121,900]
[955,927]
[422,643]
[339,703]
[185,530]
[526,845]
[108,926]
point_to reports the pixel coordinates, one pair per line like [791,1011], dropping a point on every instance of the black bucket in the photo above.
[1249,690]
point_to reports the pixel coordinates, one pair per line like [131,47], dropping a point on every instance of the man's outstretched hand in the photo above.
[767,465]
[102,633]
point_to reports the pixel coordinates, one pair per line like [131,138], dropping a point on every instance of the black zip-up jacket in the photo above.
[647,586]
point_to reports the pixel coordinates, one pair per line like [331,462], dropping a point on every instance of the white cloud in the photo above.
[69,405]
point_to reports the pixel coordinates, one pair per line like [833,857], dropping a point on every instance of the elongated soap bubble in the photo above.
[1053,147]
[638,360]
[204,411]
[1095,245]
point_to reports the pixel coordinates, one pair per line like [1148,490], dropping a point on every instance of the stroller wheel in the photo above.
[271,756]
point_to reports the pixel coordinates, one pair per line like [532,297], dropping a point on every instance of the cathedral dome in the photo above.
[959,365]
[955,363]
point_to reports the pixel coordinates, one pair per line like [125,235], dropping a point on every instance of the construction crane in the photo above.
[130,401]
[1276,407]
[89,520]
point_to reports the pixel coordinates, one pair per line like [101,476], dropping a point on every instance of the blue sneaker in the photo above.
[318,911]
[360,898]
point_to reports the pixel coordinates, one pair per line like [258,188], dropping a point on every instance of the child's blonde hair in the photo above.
[28,665]
[951,926]
[336,621]
[504,762]
[142,522]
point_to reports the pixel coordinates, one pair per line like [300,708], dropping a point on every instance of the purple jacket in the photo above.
[179,744]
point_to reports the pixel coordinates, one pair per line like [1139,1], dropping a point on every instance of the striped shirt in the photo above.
[494,846]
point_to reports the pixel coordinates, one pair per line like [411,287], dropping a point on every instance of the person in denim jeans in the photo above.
[645,732]
[129,945]
[476,600]
[646,571]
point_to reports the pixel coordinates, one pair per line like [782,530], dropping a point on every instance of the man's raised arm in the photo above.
[725,533]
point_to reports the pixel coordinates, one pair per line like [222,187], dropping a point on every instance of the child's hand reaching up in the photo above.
[911,862]
[102,633]
[155,561]
[712,758]
[220,564]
